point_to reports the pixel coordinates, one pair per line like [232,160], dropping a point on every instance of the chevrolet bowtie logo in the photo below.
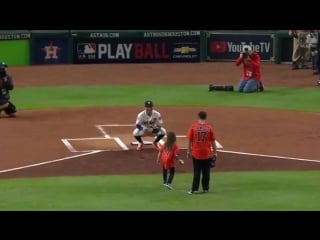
[184,50]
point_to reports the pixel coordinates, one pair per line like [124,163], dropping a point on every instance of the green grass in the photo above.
[231,191]
[300,99]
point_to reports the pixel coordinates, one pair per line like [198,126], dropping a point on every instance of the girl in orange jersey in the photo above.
[169,153]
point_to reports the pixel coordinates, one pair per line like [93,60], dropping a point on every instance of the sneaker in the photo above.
[140,146]
[205,191]
[318,83]
[157,145]
[168,186]
[192,192]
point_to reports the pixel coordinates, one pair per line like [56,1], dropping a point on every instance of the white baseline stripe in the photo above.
[93,152]
[271,156]
[89,138]
[47,162]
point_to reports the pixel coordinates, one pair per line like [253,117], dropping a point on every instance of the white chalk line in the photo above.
[48,162]
[124,147]
[225,151]
[271,156]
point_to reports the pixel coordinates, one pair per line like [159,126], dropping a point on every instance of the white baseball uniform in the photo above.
[148,123]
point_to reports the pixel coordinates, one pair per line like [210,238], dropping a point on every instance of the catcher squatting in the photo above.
[6,85]
[149,123]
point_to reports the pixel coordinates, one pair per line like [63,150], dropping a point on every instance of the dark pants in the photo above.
[171,171]
[11,109]
[201,167]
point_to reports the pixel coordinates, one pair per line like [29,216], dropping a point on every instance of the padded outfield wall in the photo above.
[30,47]
[15,47]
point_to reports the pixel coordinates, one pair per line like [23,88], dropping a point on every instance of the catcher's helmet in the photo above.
[3,64]
[148,103]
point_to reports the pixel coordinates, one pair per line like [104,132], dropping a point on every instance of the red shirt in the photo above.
[201,136]
[251,68]
[168,157]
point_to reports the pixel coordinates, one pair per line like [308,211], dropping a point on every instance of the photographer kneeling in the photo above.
[6,85]
[251,76]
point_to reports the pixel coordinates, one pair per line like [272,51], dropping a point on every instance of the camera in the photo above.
[3,72]
[228,88]
[245,55]
[246,49]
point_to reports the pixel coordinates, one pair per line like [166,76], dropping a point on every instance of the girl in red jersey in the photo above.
[169,153]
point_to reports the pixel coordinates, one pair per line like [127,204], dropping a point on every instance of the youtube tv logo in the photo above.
[218,47]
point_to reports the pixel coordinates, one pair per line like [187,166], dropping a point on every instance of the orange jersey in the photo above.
[168,157]
[201,136]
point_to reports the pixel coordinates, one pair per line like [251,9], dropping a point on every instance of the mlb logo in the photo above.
[86,48]
[218,47]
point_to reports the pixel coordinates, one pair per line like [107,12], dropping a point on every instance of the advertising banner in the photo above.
[50,51]
[227,46]
[14,35]
[136,50]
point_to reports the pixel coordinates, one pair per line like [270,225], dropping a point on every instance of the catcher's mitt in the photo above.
[213,161]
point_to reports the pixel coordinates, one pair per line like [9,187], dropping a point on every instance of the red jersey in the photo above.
[201,136]
[251,68]
[168,157]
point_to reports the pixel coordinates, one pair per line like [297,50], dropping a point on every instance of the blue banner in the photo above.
[136,50]
[225,46]
[50,51]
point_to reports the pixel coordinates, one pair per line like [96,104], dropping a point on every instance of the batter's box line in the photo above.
[106,135]
[67,143]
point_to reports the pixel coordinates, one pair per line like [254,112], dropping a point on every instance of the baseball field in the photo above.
[69,148]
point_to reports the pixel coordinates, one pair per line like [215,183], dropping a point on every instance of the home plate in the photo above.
[146,142]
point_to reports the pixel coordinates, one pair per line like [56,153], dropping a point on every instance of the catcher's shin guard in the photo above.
[139,139]
[159,137]
[11,109]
